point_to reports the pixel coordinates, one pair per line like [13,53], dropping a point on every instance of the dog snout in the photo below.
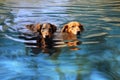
[45,34]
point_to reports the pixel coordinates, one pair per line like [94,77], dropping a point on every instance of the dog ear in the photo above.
[81,28]
[30,27]
[38,27]
[64,29]
[54,28]
[33,28]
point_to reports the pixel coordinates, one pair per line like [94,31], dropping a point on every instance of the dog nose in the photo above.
[78,43]
[47,36]
[78,32]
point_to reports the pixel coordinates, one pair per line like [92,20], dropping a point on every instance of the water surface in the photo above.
[98,57]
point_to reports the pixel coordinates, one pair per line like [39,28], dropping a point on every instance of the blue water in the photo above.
[98,57]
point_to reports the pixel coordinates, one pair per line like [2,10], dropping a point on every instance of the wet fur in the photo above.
[73,27]
[45,33]
[69,34]
[43,30]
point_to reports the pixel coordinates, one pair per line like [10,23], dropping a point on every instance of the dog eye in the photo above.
[43,28]
[72,26]
[50,29]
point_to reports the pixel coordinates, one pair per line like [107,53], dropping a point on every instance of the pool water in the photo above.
[97,57]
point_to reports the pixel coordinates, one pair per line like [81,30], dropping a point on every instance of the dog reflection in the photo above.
[46,45]
[71,41]
[73,44]
[41,45]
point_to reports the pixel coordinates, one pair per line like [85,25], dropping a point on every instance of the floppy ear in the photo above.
[64,29]
[30,27]
[33,28]
[38,27]
[81,28]
[54,28]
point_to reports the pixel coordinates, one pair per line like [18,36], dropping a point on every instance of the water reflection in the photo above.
[51,46]
[98,57]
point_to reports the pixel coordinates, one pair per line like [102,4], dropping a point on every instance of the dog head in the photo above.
[46,30]
[73,28]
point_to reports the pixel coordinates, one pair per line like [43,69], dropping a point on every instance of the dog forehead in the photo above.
[46,25]
[74,24]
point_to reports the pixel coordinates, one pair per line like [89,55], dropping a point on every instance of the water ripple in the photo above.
[96,35]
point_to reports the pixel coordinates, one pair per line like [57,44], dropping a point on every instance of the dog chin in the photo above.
[44,36]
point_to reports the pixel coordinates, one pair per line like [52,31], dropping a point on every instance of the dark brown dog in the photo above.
[45,30]
[73,27]
[45,33]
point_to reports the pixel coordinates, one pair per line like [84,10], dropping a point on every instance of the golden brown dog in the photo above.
[70,32]
[73,27]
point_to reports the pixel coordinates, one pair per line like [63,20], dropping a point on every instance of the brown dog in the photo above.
[73,27]
[45,34]
[70,32]
[46,30]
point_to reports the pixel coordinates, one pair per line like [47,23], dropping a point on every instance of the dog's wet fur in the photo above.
[73,27]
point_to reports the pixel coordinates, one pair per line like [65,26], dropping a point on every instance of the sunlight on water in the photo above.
[94,55]
[95,35]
